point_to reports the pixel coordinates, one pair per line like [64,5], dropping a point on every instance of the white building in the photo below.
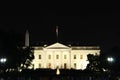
[60,56]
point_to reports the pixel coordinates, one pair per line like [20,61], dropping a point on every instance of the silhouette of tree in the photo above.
[18,56]
[100,63]
[94,62]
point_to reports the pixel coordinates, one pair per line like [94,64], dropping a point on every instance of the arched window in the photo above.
[49,65]
[81,56]
[49,56]
[75,65]
[65,65]
[57,56]
[39,56]
[74,56]
[39,65]
[65,56]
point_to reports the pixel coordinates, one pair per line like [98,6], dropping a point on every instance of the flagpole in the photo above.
[57,33]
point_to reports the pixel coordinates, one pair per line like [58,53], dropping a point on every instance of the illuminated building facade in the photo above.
[61,56]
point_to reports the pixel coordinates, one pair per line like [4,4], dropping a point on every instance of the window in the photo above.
[74,56]
[57,56]
[49,65]
[96,54]
[75,65]
[65,65]
[65,56]
[39,56]
[33,65]
[39,65]
[81,56]
[49,56]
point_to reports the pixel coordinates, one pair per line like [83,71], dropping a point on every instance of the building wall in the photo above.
[65,58]
[39,62]
[81,58]
[55,58]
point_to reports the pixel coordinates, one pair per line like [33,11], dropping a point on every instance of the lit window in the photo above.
[49,65]
[74,56]
[95,53]
[49,56]
[65,65]
[39,56]
[65,56]
[57,56]
[81,56]
[75,65]
[39,65]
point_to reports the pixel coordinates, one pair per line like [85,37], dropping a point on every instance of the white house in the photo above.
[61,56]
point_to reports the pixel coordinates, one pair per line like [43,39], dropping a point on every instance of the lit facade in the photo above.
[61,56]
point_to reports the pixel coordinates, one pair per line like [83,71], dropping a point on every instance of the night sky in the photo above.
[89,28]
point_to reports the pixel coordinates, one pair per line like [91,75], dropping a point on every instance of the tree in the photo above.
[101,63]
[18,56]
[94,62]
[26,57]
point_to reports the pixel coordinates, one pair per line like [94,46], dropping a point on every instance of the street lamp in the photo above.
[110,59]
[3,60]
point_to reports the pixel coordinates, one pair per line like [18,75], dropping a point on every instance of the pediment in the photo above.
[57,46]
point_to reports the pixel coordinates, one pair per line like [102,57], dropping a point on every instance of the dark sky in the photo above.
[89,28]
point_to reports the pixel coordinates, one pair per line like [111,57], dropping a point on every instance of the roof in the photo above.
[61,46]
[57,46]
